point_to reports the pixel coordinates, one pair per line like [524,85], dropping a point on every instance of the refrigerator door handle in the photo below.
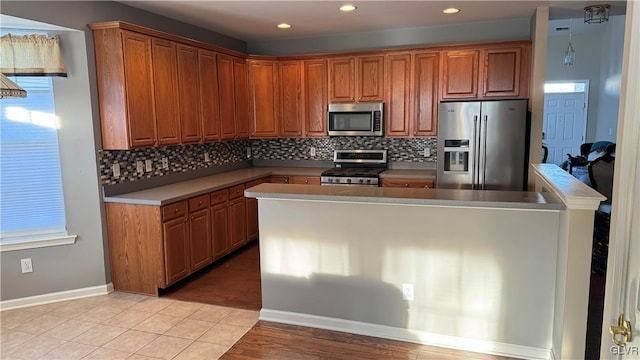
[484,153]
[475,153]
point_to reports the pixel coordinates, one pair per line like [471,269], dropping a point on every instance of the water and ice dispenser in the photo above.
[456,155]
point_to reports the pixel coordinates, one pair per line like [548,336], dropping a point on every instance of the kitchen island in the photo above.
[456,268]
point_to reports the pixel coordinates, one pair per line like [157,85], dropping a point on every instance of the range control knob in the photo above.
[349,180]
[368,181]
[361,181]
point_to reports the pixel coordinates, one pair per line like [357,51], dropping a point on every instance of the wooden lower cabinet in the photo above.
[176,249]
[280,179]
[252,212]
[409,183]
[237,222]
[153,247]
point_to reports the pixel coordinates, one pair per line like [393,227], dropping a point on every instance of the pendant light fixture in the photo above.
[569,58]
[596,14]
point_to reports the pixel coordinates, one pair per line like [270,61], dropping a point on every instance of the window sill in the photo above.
[34,242]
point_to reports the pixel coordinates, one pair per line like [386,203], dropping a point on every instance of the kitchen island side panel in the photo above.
[481,274]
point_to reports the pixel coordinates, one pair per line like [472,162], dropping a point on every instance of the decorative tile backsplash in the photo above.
[180,159]
[192,157]
[407,150]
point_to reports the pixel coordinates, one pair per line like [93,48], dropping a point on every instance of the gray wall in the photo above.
[504,30]
[599,60]
[85,263]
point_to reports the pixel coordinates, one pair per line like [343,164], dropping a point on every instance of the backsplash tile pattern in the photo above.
[191,157]
[181,159]
[406,150]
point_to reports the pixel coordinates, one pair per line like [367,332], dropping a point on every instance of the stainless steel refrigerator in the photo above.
[483,145]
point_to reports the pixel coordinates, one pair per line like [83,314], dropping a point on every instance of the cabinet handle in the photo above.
[426,186]
[199,202]
[193,218]
[286,180]
[406,185]
[177,209]
[306,181]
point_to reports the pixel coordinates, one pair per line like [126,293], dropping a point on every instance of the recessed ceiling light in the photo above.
[347,7]
[284,26]
[451,11]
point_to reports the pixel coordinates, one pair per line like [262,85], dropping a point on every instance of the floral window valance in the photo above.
[31,55]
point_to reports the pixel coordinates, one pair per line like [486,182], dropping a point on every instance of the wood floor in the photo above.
[232,282]
[268,340]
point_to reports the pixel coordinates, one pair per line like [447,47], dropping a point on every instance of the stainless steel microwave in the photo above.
[362,119]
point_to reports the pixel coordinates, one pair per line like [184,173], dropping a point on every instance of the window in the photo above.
[31,197]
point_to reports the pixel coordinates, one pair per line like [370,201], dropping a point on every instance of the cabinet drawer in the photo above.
[408,183]
[309,180]
[219,197]
[254,183]
[173,211]
[236,191]
[278,179]
[198,203]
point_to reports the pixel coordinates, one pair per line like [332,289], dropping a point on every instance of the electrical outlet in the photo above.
[165,163]
[427,152]
[139,166]
[248,153]
[26,265]
[148,165]
[116,170]
[312,151]
[407,292]
[207,158]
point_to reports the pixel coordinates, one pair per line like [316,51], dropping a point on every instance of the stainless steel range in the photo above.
[355,167]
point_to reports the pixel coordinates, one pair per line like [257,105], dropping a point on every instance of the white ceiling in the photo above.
[256,20]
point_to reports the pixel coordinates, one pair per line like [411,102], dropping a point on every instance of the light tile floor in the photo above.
[122,326]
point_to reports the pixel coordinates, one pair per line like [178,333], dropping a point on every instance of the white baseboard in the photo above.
[393,333]
[56,297]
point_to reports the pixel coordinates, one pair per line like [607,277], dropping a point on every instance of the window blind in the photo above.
[31,197]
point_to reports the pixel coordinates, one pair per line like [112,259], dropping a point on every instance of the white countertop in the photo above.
[385,195]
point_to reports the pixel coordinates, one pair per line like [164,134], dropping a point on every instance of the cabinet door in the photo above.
[139,82]
[237,223]
[200,236]
[342,80]
[176,249]
[189,92]
[241,92]
[370,78]
[290,88]
[460,74]
[265,103]
[209,115]
[165,83]
[252,212]
[314,103]
[226,97]
[425,101]
[502,72]
[398,95]
[220,229]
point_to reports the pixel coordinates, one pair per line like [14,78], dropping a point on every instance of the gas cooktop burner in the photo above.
[355,167]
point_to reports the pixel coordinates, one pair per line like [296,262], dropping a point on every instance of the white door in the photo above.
[564,125]
[622,293]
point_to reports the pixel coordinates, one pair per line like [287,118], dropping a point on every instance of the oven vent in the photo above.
[562,28]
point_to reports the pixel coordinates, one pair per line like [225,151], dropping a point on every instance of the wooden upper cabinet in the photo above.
[189,92]
[490,72]
[226,96]
[370,78]
[314,97]
[459,74]
[425,90]
[265,102]
[165,83]
[241,92]
[398,95]
[502,72]
[125,89]
[209,115]
[342,80]
[356,79]
[290,88]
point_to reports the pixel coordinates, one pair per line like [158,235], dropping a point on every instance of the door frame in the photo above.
[626,181]
[586,101]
